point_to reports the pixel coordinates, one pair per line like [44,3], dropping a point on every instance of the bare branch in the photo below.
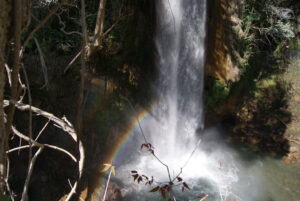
[11,195]
[43,63]
[187,161]
[22,87]
[145,139]
[30,113]
[72,61]
[99,24]
[29,173]
[41,131]
[64,126]
[62,150]
[17,148]
[62,29]
[8,71]
[24,107]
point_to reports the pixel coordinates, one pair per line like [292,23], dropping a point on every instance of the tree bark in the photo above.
[99,28]
[17,14]
[4,26]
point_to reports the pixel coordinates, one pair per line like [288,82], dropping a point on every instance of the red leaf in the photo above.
[163,194]
[117,191]
[145,177]
[179,179]
[140,179]
[133,171]
[182,189]
[155,189]
[185,185]
[135,177]
[151,181]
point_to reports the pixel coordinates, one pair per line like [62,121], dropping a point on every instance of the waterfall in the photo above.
[180,39]
[176,124]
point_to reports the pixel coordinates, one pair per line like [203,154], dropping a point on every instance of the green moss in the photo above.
[216,92]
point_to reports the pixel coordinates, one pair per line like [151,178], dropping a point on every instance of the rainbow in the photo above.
[135,118]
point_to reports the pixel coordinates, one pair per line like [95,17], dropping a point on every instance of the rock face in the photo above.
[221,17]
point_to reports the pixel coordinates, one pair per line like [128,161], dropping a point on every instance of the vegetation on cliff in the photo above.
[262,34]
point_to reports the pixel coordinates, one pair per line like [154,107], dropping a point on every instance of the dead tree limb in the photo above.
[99,28]
[65,126]
[29,173]
[35,143]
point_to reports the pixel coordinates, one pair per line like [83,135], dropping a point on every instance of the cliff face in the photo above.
[245,85]
[222,16]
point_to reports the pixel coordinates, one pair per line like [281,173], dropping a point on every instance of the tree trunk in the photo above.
[99,28]
[4,26]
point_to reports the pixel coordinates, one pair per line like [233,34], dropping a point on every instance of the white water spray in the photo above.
[177,120]
[178,116]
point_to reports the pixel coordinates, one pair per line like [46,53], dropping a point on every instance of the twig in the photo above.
[31,166]
[23,87]
[106,187]
[8,71]
[167,167]
[17,148]
[187,161]
[35,143]
[62,150]
[30,113]
[72,61]
[62,29]
[41,131]
[43,63]
[64,126]
[6,181]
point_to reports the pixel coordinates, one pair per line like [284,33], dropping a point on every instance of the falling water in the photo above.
[176,122]
[180,42]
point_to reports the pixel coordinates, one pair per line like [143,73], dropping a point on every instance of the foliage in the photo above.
[217,92]
[50,36]
[267,22]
